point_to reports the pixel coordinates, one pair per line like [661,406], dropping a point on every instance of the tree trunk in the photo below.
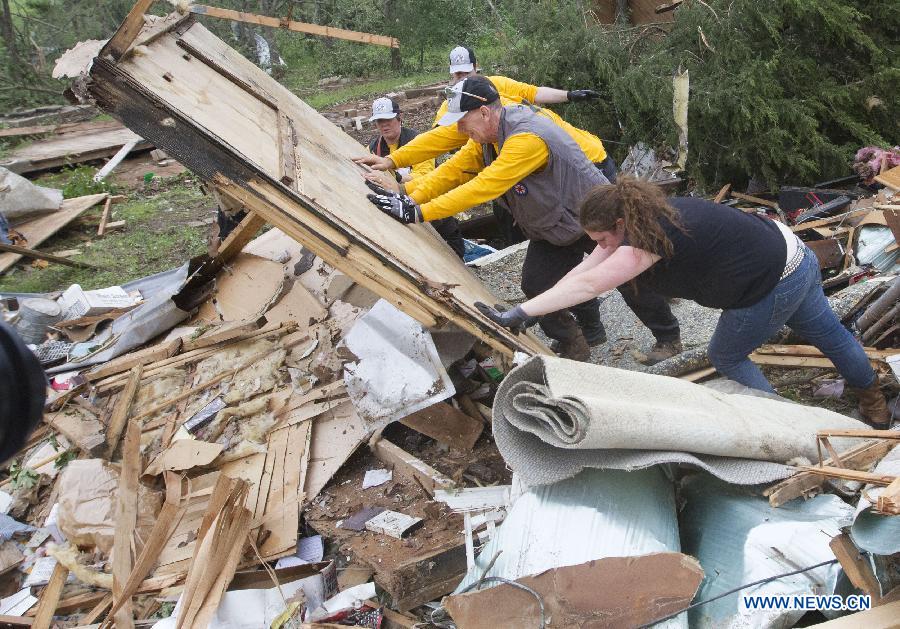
[622,12]
[389,21]
[8,33]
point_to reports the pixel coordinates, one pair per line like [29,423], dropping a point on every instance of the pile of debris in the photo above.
[316,426]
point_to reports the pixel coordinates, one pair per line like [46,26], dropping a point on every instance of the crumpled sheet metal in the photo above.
[873,532]
[599,513]
[555,417]
[740,538]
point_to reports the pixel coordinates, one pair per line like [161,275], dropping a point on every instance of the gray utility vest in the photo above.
[546,203]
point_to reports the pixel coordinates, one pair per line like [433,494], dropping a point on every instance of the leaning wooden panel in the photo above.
[200,101]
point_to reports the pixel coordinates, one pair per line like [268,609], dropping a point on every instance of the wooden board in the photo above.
[890,178]
[217,113]
[40,229]
[67,148]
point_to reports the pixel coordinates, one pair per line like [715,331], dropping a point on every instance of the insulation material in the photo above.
[762,541]
[87,504]
[561,524]
[232,356]
[554,417]
[397,369]
[261,376]
[22,200]
[871,531]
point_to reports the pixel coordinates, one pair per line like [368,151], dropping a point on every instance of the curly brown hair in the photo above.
[640,204]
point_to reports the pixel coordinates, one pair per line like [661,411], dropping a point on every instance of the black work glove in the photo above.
[400,207]
[579,95]
[515,318]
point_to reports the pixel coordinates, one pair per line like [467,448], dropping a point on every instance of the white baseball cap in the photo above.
[462,59]
[384,109]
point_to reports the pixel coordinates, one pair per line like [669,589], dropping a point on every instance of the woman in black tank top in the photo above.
[721,258]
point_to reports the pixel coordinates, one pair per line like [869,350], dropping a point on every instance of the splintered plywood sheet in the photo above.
[228,121]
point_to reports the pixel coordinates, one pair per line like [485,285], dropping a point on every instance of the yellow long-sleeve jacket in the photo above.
[440,140]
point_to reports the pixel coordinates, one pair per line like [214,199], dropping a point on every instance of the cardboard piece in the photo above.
[183,455]
[608,592]
[87,504]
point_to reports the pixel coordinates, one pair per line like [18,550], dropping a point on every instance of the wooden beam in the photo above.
[239,237]
[752,199]
[126,518]
[861,434]
[863,455]
[809,350]
[104,218]
[122,409]
[16,621]
[830,471]
[31,253]
[855,566]
[128,31]
[299,27]
[50,597]
[726,188]
[408,465]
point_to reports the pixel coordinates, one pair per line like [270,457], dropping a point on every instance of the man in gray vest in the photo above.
[539,172]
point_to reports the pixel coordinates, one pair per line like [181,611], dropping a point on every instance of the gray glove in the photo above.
[515,319]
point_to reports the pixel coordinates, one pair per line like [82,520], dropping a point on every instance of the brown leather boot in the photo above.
[873,407]
[575,348]
[661,351]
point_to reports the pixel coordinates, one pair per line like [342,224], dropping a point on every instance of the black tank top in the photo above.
[725,258]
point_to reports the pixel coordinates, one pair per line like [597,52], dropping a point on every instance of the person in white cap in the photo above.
[391,136]
[540,174]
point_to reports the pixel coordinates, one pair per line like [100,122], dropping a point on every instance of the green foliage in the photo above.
[783,90]
[63,459]
[22,477]
[80,182]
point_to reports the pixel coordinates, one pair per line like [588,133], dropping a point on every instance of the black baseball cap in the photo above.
[468,94]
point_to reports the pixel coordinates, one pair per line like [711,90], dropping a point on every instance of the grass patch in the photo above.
[320,99]
[160,232]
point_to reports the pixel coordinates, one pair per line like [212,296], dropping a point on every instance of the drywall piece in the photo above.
[553,417]
[608,592]
[475,498]
[393,523]
[397,371]
[765,542]
[77,59]
[221,116]
[336,434]
[871,531]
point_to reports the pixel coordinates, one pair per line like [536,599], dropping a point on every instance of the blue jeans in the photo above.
[799,302]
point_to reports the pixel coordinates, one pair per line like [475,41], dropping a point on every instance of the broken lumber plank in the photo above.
[31,253]
[43,617]
[126,518]
[809,350]
[128,31]
[889,500]
[40,229]
[222,333]
[831,471]
[699,374]
[239,237]
[15,621]
[890,178]
[122,409]
[115,160]
[104,218]
[861,434]
[857,569]
[752,199]
[446,424]
[141,357]
[408,465]
[863,455]
[20,131]
[299,27]
[727,187]
[99,609]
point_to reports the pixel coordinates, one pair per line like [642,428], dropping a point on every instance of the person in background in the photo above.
[392,135]
[756,270]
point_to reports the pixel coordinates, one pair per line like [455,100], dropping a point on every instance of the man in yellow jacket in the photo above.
[392,135]
[539,172]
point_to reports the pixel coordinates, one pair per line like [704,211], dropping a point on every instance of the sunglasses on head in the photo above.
[449,92]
